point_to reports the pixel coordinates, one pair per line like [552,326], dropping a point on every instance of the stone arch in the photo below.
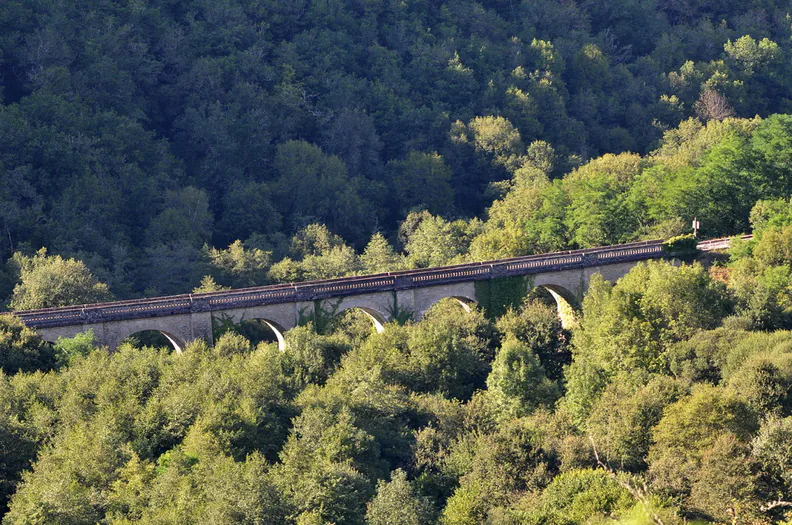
[176,342]
[567,304]
[377,318]
[277,330]
[52,338]
[465,302]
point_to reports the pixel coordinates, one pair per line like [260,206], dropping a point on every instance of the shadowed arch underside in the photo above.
[176,342]
[567,304]
[277,330]
[377,318]
[467,303]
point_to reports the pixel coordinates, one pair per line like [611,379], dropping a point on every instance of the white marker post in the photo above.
[696,226]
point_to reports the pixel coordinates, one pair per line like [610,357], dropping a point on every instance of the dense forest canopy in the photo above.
[668,402]
[162,146]
[133,134]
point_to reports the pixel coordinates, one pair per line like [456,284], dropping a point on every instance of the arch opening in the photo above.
[353,321]
[565,302]
[278,331]
[256,330]
[155,339]
[466,303]
[51,339]
[377,318]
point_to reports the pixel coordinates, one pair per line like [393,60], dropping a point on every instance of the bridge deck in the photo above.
[316,290]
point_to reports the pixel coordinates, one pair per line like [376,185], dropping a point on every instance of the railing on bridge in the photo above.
[315,290]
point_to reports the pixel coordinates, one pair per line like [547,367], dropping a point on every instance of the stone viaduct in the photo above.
[182,318]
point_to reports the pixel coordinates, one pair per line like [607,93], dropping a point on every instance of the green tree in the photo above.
[21,348]
[49,280]
[710,193]
[725,485]
[396,503]
[692,428]
[248,209]
[580,495]
[630,324]
[172,268]
[752,55]
[771,141]
[422,180]
[505,234]
[313,186]
[621,420]
[449,352]
[337,262]
[67,349]
[772,447]
[238,266]
[379,256]
[208,284]
[19,438]
[433,241]
[186,218]
[323,256]
[311,358]
[320,467]
[598,212]
[629,327]
[314,239]
[538,326]
[498,138]
[495,468]
[517,384]
[764,380]
[179,489]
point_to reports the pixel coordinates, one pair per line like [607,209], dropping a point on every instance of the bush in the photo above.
[581,496]
[68,348]
[681,246]
[22,349]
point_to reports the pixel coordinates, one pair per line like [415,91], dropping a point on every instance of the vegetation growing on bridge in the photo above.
[684,246]
[320,314]
[496,296]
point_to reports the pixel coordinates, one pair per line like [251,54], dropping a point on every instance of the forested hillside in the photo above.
[164,146]
[669,402]
[133,134]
